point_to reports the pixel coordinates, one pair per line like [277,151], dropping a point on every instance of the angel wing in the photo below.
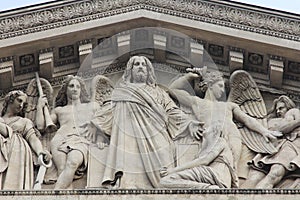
[33,95]
[101,89]
[245,93]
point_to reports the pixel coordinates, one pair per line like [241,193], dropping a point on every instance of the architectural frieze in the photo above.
[233,15]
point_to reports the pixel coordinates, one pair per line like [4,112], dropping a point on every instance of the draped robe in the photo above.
[17,171]
[141,123]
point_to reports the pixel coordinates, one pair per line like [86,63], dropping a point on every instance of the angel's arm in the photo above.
[252,123]
[183,97]
[184,80]
[40,117]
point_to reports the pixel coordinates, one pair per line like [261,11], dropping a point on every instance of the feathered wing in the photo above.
[245,93]
[33,95]
[101,89]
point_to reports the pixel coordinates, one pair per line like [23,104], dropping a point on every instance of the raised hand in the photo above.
[197,70]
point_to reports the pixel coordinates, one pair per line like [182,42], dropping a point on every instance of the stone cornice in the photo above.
[224,13]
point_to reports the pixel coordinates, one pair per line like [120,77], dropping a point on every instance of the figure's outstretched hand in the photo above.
[88,130]
[271,135]
[196,129]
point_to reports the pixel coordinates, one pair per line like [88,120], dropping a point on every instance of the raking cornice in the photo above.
[224,13]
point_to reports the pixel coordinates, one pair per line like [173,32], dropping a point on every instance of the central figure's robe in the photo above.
[141,123]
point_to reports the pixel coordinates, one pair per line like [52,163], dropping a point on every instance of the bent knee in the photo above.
[277,171]
[74,161]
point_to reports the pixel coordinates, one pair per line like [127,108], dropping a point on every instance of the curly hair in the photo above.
[284,99]
[62,99]
[127,76]
[209,79]
[10,98]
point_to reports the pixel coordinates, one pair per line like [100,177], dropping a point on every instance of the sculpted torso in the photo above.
[72,117]
[212,111]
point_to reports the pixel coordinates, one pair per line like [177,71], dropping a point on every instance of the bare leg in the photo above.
[273,177]
[254,177]
[65,179]
[59,159]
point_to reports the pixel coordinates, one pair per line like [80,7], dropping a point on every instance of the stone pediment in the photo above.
[58,39]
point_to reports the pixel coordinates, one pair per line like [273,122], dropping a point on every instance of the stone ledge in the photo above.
[154,192]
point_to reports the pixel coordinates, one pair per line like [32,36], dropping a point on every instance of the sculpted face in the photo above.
[73,89]
[139,70]
[218,88]
[18,104]
[281,109]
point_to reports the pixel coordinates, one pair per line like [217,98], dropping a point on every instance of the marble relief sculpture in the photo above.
[18,139]
[144,123]
[138,126]
[270,170]
[69,147]
[210,111]
[213,167]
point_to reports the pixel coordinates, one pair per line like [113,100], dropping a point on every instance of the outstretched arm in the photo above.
[253,124]
[183,81]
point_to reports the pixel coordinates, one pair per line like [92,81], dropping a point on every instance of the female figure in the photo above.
[18,138]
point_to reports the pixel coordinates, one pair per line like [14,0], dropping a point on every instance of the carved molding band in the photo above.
[152,192]
[210,12]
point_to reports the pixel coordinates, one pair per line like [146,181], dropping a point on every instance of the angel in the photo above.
[269,170]
[237,108]
[72,114]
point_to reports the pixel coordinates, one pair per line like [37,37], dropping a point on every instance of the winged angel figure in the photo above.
[242,116]
[69,144]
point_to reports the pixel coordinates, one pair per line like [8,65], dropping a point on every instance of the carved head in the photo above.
[66,92]
[15,101]
[280,106]
[214,82]
[139,69]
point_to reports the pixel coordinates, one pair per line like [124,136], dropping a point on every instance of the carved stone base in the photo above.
[153,194]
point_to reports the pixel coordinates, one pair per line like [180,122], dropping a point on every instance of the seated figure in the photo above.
[213,168]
